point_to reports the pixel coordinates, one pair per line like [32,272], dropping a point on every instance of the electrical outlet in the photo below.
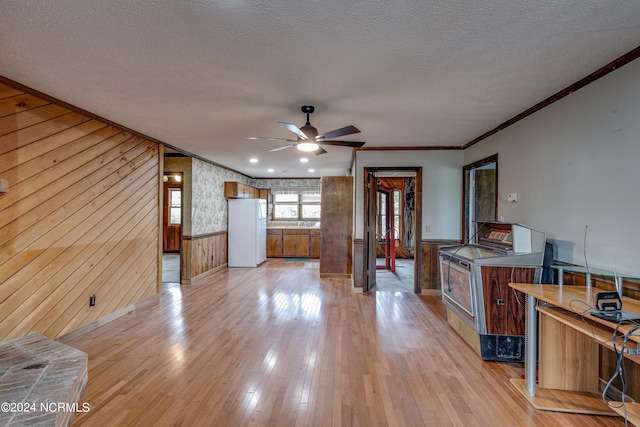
[92,300]
[428,228]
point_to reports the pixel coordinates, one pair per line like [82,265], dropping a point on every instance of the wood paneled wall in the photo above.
[203,255]
[336,227]
[431,262]
[80,217]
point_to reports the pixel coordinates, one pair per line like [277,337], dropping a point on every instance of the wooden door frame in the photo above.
[370,210]
[166,187]
[389,244]
[466,168]
[417,235]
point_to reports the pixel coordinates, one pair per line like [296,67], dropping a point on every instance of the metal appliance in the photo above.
[475,281]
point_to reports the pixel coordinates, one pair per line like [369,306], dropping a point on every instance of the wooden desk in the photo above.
[567,349]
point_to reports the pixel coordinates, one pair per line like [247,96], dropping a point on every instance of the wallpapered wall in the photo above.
[286,183]
[205,207]
[209,207]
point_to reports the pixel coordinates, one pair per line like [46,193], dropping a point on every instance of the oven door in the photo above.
[457,284]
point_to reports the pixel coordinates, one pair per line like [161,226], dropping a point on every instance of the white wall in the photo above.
[441,187]
[576,163]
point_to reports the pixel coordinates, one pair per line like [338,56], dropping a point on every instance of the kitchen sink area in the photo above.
[299,239]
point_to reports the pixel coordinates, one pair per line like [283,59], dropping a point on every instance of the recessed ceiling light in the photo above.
[304,159]
[312,170]
[253,160]
[270,170]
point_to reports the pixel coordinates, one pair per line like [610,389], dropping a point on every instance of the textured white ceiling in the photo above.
[202,75]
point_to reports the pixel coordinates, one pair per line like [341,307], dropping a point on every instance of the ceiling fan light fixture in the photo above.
[307,146]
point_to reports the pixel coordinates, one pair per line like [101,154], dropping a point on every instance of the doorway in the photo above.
[393,253]
[172,226]
[480,194]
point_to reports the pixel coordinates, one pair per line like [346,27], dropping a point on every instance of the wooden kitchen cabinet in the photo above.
[293,242]
[274,242]
[237,190]
[314,243]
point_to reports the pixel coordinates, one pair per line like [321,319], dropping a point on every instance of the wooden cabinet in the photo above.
[293,242]
[238,190]
[314,243]
[274,242]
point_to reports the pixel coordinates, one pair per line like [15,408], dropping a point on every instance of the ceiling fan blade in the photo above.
[319,151]
[281,148]
[347,130]
[354,144]
[270,139]
[295,129]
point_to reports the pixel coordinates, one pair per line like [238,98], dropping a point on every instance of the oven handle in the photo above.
[456,260]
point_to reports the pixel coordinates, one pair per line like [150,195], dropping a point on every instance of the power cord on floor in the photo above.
[620,371]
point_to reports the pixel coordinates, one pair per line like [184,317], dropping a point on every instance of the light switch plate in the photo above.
[512,197]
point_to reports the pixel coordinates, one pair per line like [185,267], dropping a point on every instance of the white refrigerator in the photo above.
[247,232]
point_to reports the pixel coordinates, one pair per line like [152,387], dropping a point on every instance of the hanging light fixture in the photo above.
[307,146]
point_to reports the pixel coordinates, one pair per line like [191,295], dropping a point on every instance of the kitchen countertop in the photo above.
[279,227]
[273,226]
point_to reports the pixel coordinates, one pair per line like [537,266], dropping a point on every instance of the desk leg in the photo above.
[560,277]
[531,345]
[568,366]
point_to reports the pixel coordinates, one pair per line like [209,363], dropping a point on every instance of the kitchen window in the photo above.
[296,206]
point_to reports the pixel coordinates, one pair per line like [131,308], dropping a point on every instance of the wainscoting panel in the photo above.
[431,263]
[203,255]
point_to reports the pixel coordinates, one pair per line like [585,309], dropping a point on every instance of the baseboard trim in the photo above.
[335,276]
[203,275]
[106,319]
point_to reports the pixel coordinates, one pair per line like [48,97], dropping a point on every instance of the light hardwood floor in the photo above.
[277,346]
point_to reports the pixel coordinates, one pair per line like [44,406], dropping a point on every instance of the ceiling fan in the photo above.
[308,139]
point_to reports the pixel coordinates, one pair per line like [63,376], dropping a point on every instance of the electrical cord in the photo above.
[588,309]
[620,370]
